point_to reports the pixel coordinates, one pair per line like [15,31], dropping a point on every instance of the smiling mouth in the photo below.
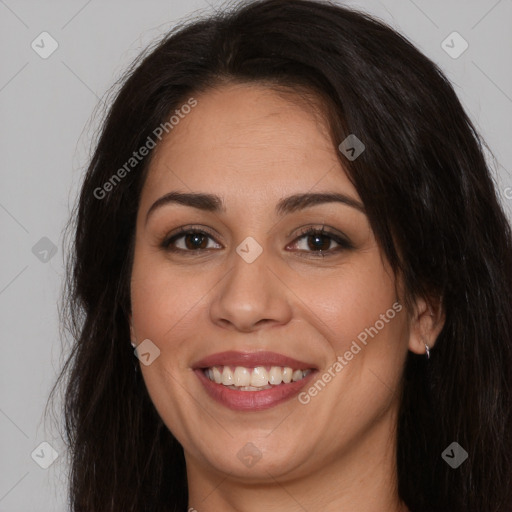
[241,378]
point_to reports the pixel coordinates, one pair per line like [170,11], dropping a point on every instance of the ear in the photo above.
[427,321]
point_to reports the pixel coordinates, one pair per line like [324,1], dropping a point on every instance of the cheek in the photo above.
[364,327]
[350,304]
[163,299]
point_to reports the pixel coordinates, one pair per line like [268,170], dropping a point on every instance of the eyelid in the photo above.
[314,228]
[186,228]
[340,238]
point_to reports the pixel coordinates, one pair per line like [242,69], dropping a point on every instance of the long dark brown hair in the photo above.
[432,205]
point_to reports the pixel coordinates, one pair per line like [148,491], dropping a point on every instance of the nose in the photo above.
[251,296]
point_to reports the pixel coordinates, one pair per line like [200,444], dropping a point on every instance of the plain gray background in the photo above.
[46,109]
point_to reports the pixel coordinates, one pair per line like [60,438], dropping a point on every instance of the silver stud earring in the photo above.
[427,351]
[135,363]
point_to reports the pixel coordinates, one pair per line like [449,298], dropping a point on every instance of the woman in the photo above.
[289,216]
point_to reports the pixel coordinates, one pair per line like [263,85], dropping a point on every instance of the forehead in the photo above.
[250,141]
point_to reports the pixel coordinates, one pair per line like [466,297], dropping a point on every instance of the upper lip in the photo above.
[251,359]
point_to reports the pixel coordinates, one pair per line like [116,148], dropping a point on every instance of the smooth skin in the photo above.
[252,147]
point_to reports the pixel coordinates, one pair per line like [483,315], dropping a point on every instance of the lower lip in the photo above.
[252,400]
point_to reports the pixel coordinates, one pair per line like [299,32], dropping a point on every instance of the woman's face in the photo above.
[251,290]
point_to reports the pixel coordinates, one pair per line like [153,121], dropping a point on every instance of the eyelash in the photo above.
[343,243]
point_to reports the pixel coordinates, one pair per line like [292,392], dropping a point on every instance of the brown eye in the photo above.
[320,241]
[195,241]
[192,240]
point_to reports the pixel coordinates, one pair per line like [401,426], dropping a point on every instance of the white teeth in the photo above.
[297,375]
[217,376]
[254,379]
[242,376]
[259,377]
[275,375]
[227,376]
[248,388]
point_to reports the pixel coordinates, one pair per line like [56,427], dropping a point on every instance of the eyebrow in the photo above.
[213,203]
